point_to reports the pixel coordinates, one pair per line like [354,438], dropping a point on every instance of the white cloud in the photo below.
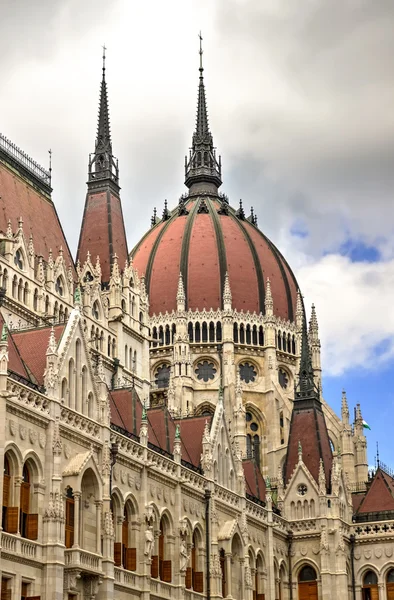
[354,303]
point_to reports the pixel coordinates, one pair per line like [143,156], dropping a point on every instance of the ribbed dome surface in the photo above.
[205,243]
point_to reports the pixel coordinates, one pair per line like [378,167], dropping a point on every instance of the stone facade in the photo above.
[144,454]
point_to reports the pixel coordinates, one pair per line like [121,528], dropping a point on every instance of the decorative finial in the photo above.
[268,482]
[144,416]
[299,451]
[377,454]
[77,296]
[50,165]
[177,432]
[201,53]
[240,212]
[154,217]
[166,212]
[104,49]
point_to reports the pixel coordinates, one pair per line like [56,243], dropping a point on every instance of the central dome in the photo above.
[203,238]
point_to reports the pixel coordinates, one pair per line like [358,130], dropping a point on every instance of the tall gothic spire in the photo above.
[103,231]
[202,169]
[306,387]
[308,425]
[102,163]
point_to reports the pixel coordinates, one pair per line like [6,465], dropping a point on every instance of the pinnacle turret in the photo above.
[306,387]
[202,169]
[268,301]
[102,163]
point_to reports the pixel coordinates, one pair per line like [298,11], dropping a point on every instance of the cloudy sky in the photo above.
[300,103]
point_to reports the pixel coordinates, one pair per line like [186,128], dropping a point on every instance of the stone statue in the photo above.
[149,539]
[184,556]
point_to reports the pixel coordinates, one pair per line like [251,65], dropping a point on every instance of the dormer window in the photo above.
[96,311]
[18,259]
[59,287]
[88,277]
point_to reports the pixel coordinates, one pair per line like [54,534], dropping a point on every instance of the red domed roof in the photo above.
[205,243]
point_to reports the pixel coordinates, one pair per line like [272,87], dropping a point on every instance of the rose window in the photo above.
[205,371]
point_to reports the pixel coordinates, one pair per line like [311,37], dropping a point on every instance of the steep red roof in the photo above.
[19,198]
[308,427]
[379,496]
[32,346]
[126,412]
[103,232]
[205,244]
[15,362]
[192,430]
[255,484]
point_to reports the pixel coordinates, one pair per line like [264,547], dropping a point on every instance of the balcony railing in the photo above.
[160,589]
[88,561]
[14,544]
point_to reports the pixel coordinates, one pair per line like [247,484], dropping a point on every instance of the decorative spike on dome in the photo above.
[166,212]
[180,296]
[240,212]
[9,233]
[202,169]
[227,297]
[153,219]
[268,301]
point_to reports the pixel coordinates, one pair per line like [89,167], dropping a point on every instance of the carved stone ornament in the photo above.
[42,439]
[367,554]
[22,432]
[71,577]
[91,584]
[33,435]
[67,451]
[378,552]
[12,426]
[388,550]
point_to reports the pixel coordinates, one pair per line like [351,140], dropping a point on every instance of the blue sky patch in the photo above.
[357,251]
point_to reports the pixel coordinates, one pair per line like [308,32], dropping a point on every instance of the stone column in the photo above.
[99,505]
[77,499]
[17,499]
[228,574]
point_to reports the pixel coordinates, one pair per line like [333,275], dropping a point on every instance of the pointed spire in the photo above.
[9,233]
[180,296]
[202,167]
[299,451]
[227,296]
[102,163]
[268,302]
[166,212]
[322,479]
[52,345]
[240,212]
[299,312]
[313,325]
[306,387]
[153,219]
[308,425]
[344,409]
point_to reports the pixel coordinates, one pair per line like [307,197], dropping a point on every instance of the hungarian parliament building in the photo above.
[163,429]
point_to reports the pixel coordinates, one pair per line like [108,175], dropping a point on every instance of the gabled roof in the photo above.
[380,495]
[255,484]
[32,345]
